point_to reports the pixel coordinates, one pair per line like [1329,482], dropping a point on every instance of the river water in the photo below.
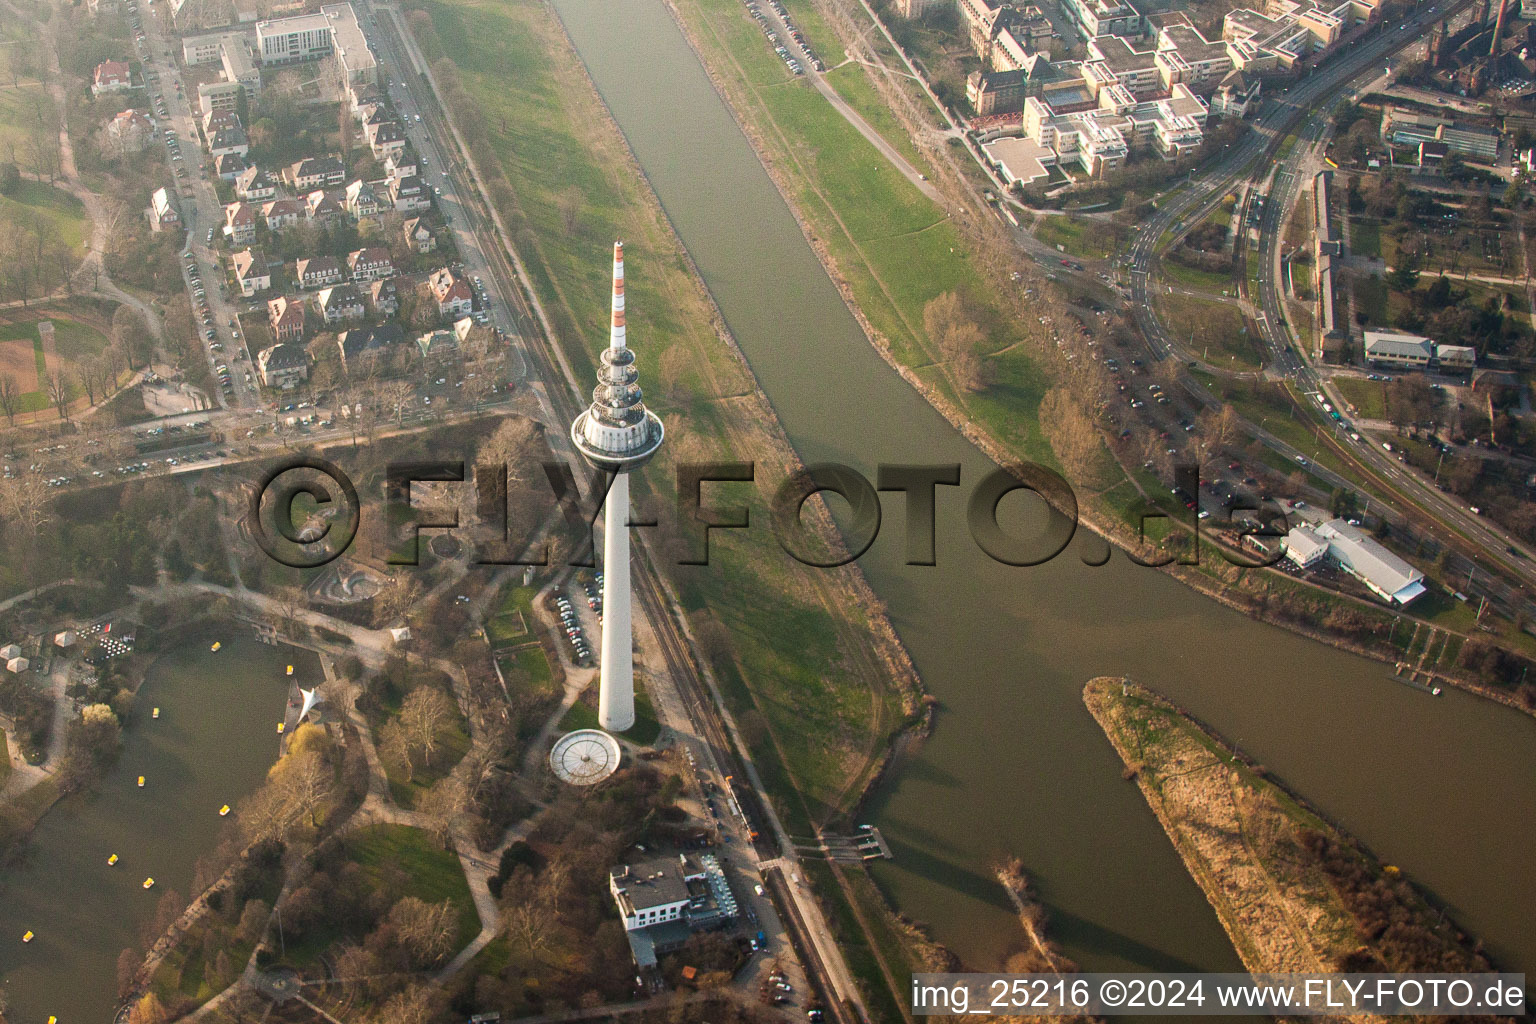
[213,743]
[1443,787]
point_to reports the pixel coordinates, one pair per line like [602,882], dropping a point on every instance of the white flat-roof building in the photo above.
[332,32]
[1383,573]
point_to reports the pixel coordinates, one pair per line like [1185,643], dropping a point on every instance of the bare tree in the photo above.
[426,930]
[308,781]
[58,389]
[424,713]
[10,397]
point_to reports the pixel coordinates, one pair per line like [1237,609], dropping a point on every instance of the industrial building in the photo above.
[1384,574]
[664,900]
[1401,127]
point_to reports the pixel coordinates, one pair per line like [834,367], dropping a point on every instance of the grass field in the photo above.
[1216,332]
[1365,237]
[644,732]
[1368,396]
[73,341]
[1092,239]
[36,198]
[1194,277]
[401,861]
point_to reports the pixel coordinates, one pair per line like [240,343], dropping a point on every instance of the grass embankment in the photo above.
[1217,331]
[1292,891]
[795,654]
[1369,397]
[1091,238]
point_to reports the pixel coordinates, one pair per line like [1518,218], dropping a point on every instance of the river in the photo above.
[213,743]
[1443,787]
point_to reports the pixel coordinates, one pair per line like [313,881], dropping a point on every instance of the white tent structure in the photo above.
[66,638]
[18,665]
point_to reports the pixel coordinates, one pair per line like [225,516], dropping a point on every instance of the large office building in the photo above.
[1103,17]
[331,32]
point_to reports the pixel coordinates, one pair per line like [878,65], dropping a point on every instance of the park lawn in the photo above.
[65,211]
[1216,332]
[527,668]
[1365,237]
[401,861]
[19,104]
[1369,397]
[1090,239]
[644,732]
[509,625]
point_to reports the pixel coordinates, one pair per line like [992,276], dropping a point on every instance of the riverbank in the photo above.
[818,191]
[1293,891]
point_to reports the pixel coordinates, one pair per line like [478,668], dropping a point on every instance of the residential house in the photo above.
[228,140]
[283,365]
[384,298]
[362,343]
[475,340]
[316,172]
[281,214]
[129,132]
[418,236]
[370,264]
[240,223]
[286,317]
[436,346]
[163,212]
[111,76]
[451,293]
[318,271]
[340,302]
[400,165]
[254,185]
[325,207]
[252,271]
[409,193]
[229,166]
[216,121]
[362,202]
[386,139]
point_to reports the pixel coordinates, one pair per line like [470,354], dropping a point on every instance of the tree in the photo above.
[10,179]
[426,710]
[426,931]
[419,1004]
[1072,434]
[10,397]
[308,782]
[395,749]
[148,1010]
[59,391]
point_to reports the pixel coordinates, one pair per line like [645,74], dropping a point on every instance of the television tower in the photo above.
[617,434]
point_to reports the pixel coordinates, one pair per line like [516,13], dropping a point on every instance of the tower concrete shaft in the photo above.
[617,434]
[616,685]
